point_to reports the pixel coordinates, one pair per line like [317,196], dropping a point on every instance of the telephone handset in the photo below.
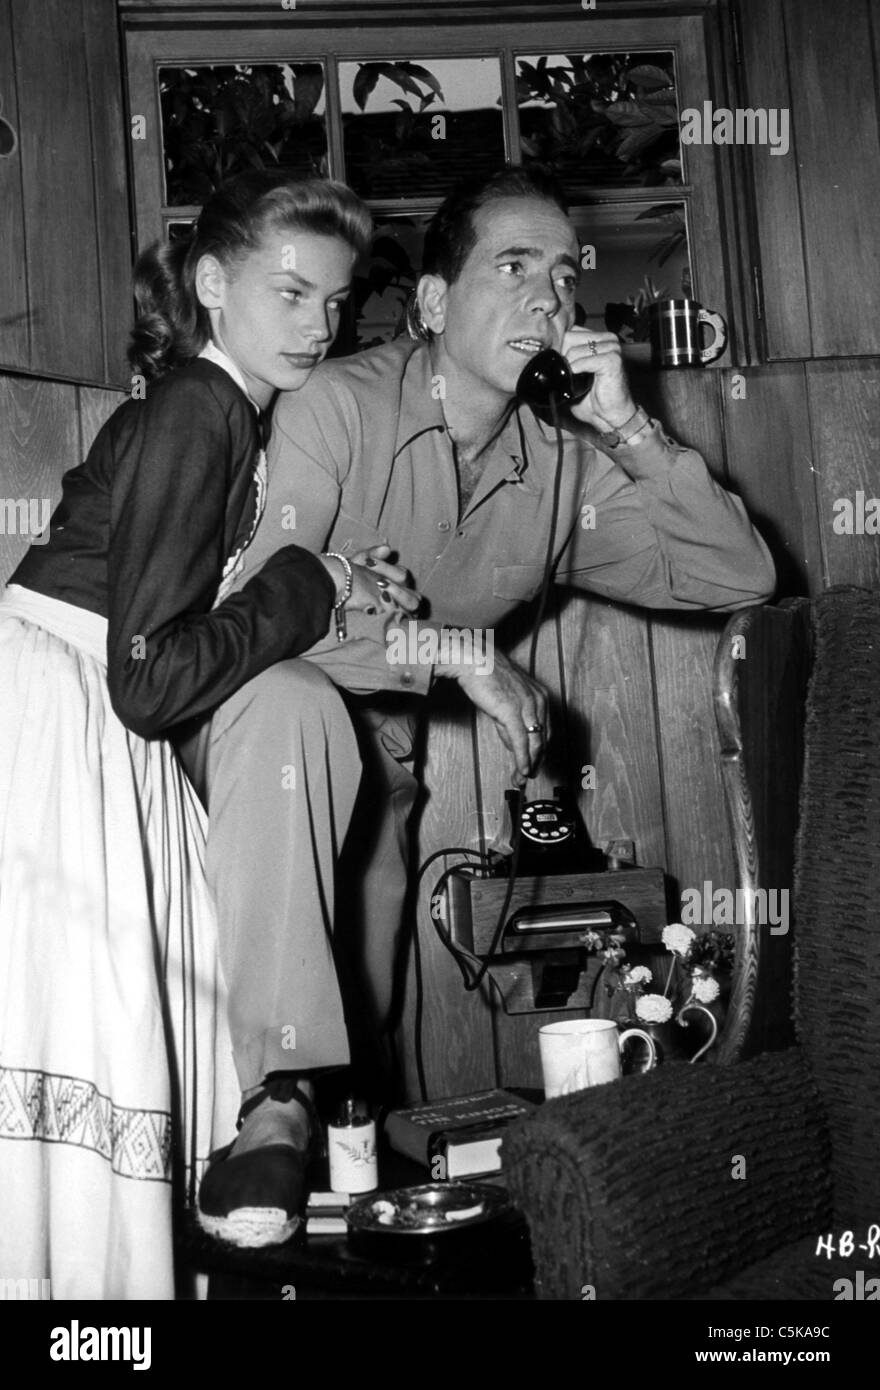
[547,375]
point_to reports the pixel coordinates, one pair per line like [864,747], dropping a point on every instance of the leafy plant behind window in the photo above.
[606,118]
[395,145]
[220,121]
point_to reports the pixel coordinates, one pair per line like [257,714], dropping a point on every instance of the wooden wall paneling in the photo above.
[770,465]
[59,209]
[697,832]
[612,724]
[733,176]
[715,275]
[844,399]
[38,443]
[95,407]
[14,335]
[766,85]
[687,401]
[112,220]
[683,649]
[517,1049]
[516,1035]
[834,100]
[457,1026]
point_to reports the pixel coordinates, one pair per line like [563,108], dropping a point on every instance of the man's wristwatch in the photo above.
[612,439]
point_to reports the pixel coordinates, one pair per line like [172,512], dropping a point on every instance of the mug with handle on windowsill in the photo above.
[676,333]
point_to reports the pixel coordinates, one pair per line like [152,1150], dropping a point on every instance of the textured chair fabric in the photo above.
[670,1180]
[837,892]
[629,1187]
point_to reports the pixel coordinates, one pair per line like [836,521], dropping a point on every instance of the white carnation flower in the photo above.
[653,1008]
[678,938]
[705,989]
[639,975]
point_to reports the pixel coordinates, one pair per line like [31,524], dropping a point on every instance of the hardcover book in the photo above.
[465,1132]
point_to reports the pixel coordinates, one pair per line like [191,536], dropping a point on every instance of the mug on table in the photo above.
[582,1052]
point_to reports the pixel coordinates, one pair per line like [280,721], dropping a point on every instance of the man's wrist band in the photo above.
[637,421]
[339,606]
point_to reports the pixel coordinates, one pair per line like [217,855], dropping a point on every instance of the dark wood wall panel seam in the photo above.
[793,153]
[814,476]
[24,229]
[817,465]
[658,742]
[875,51]
[80,440]
[96,155]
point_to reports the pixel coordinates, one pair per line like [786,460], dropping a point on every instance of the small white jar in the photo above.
[351,1148]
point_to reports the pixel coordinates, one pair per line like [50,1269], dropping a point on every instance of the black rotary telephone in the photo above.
[547,377]
[553,837]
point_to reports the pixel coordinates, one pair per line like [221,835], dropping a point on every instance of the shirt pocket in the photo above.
[520,582]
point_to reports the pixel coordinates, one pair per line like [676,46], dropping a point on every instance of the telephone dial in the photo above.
[553,838]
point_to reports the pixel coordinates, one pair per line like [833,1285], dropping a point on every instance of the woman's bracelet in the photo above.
[339,606]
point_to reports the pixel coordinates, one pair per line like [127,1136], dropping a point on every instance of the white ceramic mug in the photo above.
[584,1052]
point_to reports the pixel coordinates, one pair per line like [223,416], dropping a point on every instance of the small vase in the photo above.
[670,1041]
[681,1039]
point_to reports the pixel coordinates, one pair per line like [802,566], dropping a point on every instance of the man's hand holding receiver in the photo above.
[609,404]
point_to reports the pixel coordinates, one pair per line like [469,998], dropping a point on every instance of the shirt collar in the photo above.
[421,411]
[420,406]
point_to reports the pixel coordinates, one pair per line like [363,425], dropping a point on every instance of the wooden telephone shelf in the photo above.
[474,903]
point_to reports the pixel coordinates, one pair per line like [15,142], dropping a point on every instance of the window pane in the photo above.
[601,119]
[220,121]
[412,129]
[179,228]
[383,285]
[641,253]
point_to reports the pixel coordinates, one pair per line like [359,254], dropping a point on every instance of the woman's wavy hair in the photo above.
[172,325]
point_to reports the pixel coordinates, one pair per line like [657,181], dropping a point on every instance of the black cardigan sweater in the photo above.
[141,536]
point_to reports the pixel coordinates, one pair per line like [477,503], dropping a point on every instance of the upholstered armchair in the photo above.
[720,1180]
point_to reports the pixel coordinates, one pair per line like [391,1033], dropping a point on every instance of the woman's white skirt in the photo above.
[116,1075]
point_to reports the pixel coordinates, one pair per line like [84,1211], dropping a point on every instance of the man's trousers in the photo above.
[278,767]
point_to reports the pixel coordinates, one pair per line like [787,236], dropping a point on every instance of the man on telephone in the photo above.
[422,445]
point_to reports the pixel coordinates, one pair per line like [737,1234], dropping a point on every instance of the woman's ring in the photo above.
[592,346]
[534,728]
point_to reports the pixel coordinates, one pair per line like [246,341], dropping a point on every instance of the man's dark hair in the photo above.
[451,235]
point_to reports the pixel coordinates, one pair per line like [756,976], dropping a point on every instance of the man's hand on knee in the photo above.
[516,704]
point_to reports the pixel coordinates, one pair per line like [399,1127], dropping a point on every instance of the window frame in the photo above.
[709,188]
